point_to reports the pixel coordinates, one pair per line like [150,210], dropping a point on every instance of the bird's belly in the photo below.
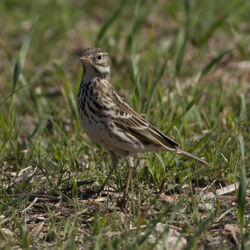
[100,134]
[93,129]
[109,136]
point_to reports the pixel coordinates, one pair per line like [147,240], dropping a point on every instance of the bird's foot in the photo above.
[122,203]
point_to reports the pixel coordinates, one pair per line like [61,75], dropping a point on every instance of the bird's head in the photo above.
[95,62]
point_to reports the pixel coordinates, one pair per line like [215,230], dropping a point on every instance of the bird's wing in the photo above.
[129,120]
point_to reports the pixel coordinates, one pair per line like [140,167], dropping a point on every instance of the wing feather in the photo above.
[130,121]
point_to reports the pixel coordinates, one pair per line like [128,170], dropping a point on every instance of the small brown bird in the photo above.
[109,121]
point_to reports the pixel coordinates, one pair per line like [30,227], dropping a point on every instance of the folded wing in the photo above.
[128,120]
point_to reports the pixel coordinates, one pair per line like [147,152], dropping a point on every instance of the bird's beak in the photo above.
[84,59]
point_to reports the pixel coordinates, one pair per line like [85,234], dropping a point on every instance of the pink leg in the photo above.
[130,165]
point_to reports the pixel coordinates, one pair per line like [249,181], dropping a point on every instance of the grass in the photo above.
[184,65]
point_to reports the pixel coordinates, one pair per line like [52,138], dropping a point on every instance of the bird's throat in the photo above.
[90,72]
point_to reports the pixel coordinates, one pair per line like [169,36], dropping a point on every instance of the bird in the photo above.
[111,122]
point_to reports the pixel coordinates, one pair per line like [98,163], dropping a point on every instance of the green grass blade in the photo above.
[11,94]
[131,47]
[198,117]
[24,237]
[182,51]
[68,90]
[153,89]
[137,21]
[213,27]
[211,64]
[188,107]
[241,199]
[40,126]
[192,243]
[243,108]
[203,140]
[140,15]
[19,64]
[110,21]
[15,201]
[180,57]
[71,241]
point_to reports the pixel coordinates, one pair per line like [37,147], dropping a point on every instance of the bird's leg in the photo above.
[115,160]
[129,161]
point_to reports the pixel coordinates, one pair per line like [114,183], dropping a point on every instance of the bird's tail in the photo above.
[191,156]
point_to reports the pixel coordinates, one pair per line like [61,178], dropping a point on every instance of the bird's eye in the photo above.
[99,57]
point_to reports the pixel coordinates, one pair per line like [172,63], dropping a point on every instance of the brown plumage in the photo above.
[109,121]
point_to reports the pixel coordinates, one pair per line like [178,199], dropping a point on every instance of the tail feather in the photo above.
[191,156]
[170,145]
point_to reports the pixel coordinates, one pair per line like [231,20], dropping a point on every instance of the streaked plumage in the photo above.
[109,121]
